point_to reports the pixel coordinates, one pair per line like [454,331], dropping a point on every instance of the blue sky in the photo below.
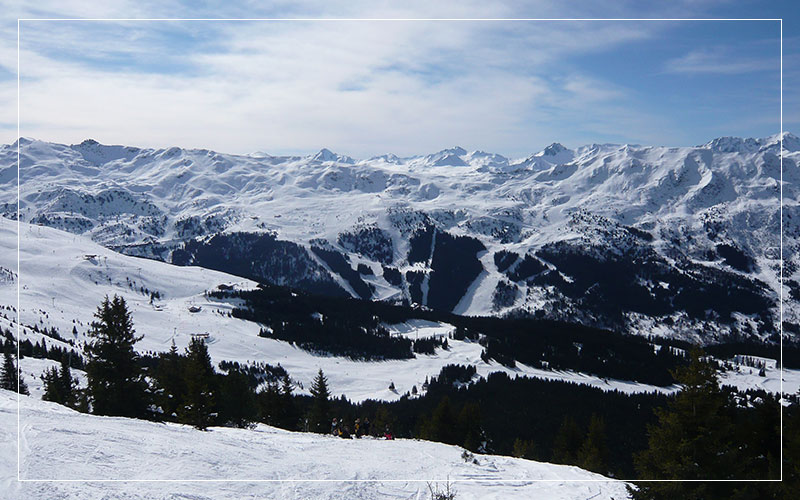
[365,88]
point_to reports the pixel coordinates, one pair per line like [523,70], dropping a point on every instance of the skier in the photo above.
[335,427]
[387,434]
[357,428]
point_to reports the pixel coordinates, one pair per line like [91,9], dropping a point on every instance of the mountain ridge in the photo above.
[713,206]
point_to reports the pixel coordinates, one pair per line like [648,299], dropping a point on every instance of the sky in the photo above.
[365,88]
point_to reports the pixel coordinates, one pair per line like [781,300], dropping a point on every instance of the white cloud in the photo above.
[361,88]
[719,62]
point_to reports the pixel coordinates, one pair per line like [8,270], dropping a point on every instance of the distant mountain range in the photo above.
[679,242]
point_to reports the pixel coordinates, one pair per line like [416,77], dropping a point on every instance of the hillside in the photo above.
[58,443]
[678,242]
[64,277]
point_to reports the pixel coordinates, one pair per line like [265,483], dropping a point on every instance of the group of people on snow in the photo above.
[360,428]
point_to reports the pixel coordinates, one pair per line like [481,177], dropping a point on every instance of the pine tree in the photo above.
[69,385]
[693,438]
[8,381]
[59,386]
[169,380]
[11,379]
[593,454]
[52,387]
[567,442]
[289,415]
[198,376]
[442,425]
[236,401]
[468,427]
[115,383]
[383,420]
[270,402]
[319,419]
[524,449]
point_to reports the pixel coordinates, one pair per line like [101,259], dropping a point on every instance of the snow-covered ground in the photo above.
[64,277]
[745,377]
[60,444]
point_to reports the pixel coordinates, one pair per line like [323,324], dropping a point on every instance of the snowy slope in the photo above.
[714,206]
[57,443]
[61,288]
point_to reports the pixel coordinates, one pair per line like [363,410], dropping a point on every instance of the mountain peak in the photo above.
[456,150]
[730,144]
[447,157]
[555,153]
[554,149]
[326,154]
[790,141]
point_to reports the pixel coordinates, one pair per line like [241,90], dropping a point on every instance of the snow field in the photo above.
[58,443]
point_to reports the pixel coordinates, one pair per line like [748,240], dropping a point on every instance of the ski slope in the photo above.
[60,444]
[64,277]
[61,288]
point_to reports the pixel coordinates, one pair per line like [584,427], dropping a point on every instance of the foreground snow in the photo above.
[57,443]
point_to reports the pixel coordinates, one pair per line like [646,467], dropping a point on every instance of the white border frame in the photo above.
[606,480]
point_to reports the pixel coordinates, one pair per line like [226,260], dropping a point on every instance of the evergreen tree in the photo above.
[524,449]
[115,382]
[790,484]
[169,379]
[10,378]
[52,386]
[198,376]
[693,439]
[442,425]
[269,401]
[237,406]
[69,385]
[567,442]
[289,416]
[593,454]
[382,420]
[59,386]
[319,419]
[468,427]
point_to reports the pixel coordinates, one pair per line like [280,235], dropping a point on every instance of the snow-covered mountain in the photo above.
[64,277]
[58,443]
[654,240]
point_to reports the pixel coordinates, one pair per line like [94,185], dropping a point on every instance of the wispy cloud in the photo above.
[718,61]
[363,88]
